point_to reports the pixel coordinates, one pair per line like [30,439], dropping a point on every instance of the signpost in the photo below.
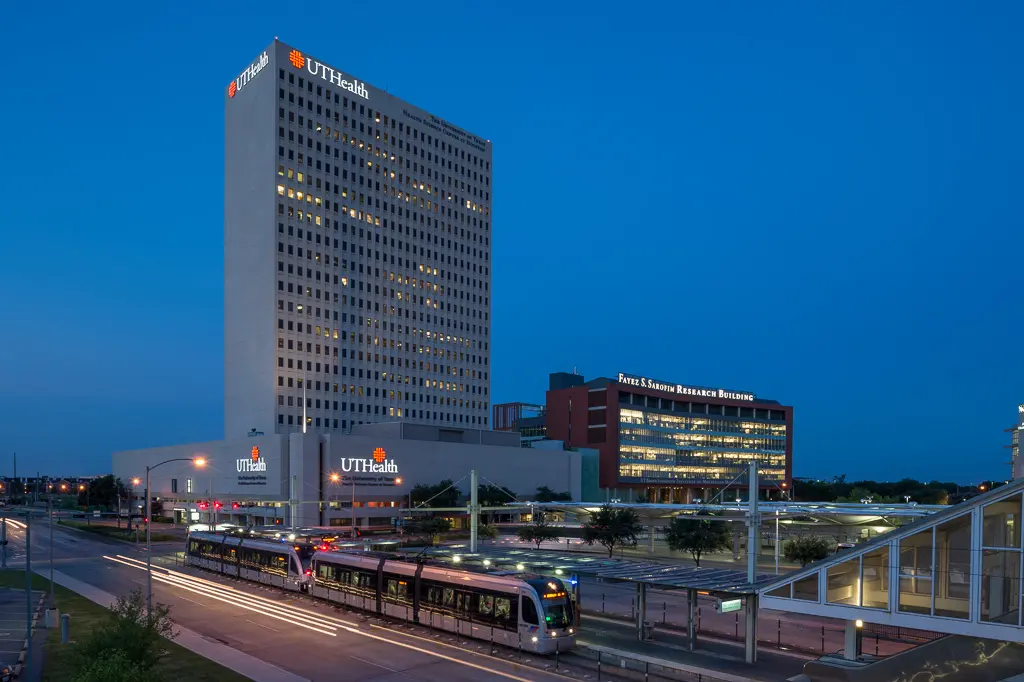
[728,605]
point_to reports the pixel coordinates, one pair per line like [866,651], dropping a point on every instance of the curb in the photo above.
[25,645]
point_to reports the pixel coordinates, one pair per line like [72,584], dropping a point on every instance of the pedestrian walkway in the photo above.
[242,663]
[712,658]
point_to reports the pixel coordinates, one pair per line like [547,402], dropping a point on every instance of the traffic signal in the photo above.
[203,506]
[235,505]
[217,505]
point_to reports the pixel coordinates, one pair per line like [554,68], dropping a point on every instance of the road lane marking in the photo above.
[459,648]
[260,624]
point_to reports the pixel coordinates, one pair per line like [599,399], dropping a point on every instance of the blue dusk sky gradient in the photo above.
[817,202]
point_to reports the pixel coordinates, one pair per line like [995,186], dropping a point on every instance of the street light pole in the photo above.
[199,462]
[50,506]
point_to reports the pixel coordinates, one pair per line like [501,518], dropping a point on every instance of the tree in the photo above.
[102,491]
[697,536]
[538,531]
[494,496]
[443,494]
[612,527]
[546,494]
[127,629]
[807,549]
[430,528]
[487,531]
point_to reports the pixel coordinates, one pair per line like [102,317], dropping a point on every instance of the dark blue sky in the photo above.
[810,201]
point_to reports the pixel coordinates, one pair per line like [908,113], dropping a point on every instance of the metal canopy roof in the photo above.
[821,509]
[684,577]
[660,575]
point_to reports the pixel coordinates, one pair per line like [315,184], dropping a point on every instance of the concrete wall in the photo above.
[250,249]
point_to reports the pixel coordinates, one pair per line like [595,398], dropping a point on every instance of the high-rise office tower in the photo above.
[357,255]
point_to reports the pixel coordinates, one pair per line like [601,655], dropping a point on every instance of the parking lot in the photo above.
[12,622]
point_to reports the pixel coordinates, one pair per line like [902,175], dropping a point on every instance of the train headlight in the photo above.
[534,638]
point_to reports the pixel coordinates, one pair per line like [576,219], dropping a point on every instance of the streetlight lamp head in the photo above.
[200,462]
[136,481]
[335,478]
[859,623]
[398,481]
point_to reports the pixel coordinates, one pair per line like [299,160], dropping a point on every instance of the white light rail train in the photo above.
[531,612]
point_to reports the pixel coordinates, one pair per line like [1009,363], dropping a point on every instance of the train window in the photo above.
[323,571]
[502,608]
[449,597]
[529,611]
[486,606]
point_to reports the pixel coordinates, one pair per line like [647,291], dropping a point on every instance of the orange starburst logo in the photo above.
[255,453]
[379,455]
[232,89]
[296,58]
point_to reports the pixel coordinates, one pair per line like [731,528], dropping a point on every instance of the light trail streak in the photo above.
[321,624]
[241,594]
[232,600]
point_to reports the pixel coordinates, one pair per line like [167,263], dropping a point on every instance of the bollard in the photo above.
[598,666]
[876,644]
[664,612]
[602,602]
[632,608]
[65,628]
[556,655]
[822,639]
[779,642]
[737,628]
[647,670]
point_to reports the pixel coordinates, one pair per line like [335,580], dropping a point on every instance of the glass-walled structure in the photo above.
[958,571]
[681,442]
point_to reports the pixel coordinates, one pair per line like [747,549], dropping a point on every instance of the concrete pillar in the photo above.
[691,619]
[650,538]
[736,545]
[750,640]
[852,639]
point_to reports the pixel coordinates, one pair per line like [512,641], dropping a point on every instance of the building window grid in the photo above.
[479,381]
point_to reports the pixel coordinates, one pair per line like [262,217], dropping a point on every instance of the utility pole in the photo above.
[474,511]
[28,592]
[753,524]
[49,506]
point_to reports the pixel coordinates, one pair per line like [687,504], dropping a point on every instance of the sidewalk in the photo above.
[242,663]
[711,657]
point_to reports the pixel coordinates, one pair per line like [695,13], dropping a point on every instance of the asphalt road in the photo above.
[316,641]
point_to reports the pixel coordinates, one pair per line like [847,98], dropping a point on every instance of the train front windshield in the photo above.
[557,612]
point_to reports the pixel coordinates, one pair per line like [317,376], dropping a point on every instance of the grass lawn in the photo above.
[59,663]
[118,533]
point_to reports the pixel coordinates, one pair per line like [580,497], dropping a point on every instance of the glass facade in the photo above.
[683,443]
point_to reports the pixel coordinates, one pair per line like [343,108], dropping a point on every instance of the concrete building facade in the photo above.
[265,479]
[357,256]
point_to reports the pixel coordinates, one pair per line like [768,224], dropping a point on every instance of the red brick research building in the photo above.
[671,442]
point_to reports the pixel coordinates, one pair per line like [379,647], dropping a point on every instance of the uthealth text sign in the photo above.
[247,75]
[330,75]
[378,465]
[252,463]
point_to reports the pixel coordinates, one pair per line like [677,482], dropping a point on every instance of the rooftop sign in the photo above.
[680,389]
[250,72]
[356,87]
